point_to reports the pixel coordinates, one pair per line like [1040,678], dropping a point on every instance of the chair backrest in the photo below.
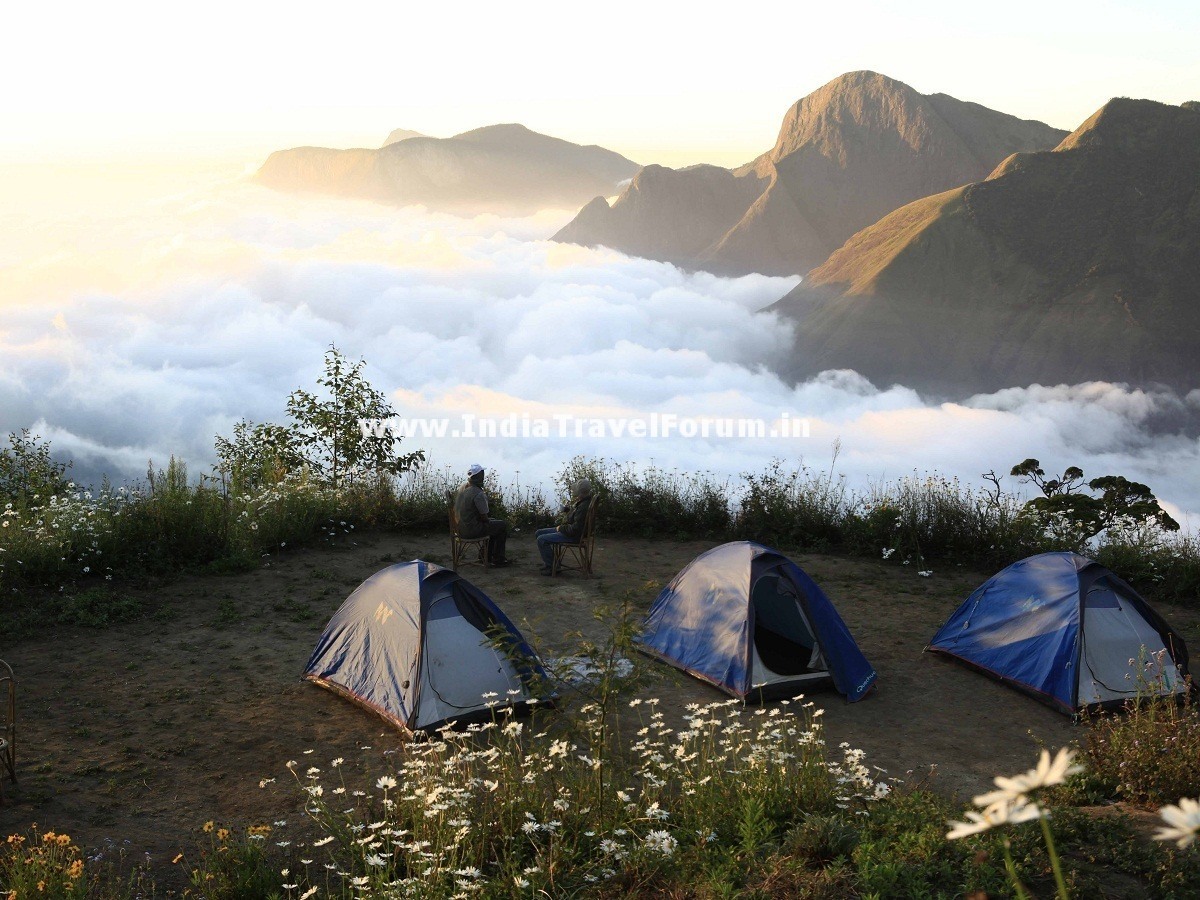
[589,521]
[453,515]
[454,523]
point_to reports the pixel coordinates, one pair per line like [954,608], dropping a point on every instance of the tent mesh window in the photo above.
[457,681]
[1123,654]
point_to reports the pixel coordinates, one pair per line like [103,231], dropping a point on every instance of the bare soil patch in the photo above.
[143,731]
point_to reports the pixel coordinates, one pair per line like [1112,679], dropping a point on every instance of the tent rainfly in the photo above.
[1068,631]
[423,647]
[746,619]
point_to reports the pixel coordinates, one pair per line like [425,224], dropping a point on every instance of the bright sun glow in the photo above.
[666,83]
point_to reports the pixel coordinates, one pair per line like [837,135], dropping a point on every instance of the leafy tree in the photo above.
[28,471]
[324,437]
[328,435]
[1067,512]
[258,454]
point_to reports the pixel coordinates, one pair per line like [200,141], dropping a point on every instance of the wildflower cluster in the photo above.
[1149,752]
[165,522]
[43,864]
[66,532]
[508,810]
[231,863]
[272,514]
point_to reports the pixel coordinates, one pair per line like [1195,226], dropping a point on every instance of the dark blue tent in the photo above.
[747,619]
[1067,630]
[422,646]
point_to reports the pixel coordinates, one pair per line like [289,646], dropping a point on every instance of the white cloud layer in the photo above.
[134,331]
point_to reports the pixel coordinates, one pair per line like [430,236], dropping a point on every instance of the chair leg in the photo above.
[581,553]
[8,758]
[458,549]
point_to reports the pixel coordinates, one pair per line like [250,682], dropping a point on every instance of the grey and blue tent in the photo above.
[1068,631]
[748,620]
[422,646]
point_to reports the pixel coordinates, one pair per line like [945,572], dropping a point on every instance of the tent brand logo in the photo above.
[383,612]
[864,684]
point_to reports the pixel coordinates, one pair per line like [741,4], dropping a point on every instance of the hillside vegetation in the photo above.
[1061,267]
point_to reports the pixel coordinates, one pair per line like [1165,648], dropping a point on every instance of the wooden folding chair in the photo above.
[8,724]
[459,544]
[581,549]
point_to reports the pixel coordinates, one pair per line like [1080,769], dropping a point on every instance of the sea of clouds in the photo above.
[136,327]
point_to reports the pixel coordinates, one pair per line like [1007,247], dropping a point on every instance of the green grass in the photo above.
[170,525]
[84,607]
[902,851]
[1147,754]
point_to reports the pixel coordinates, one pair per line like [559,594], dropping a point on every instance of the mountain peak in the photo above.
[491,132]
[1078,264]
[401,134]
[504,169]
[850,152]
[862,78]
[860,99]
[594,206]
[1126,122]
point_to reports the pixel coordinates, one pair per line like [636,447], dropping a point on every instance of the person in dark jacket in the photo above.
[471,513]
[571,528]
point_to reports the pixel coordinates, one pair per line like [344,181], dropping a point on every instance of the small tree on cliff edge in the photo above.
[1065,512]
[325,436]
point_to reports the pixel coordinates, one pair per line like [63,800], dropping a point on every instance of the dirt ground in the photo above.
[142,732]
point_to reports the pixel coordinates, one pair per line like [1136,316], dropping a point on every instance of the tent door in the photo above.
[459,665]
[1122,654]
[783,646]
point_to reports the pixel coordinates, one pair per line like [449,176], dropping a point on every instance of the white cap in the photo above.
[475,469]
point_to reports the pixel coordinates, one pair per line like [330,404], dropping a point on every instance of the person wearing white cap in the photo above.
[471,511]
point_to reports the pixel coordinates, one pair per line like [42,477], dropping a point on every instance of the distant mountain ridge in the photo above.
[1073,265]
[847,154]
[400,134]
[503,169]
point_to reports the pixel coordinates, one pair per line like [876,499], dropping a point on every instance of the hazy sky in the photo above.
[667,82]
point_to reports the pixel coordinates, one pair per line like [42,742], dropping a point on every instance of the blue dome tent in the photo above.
[411,643]
[746,619]
[1068,631]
